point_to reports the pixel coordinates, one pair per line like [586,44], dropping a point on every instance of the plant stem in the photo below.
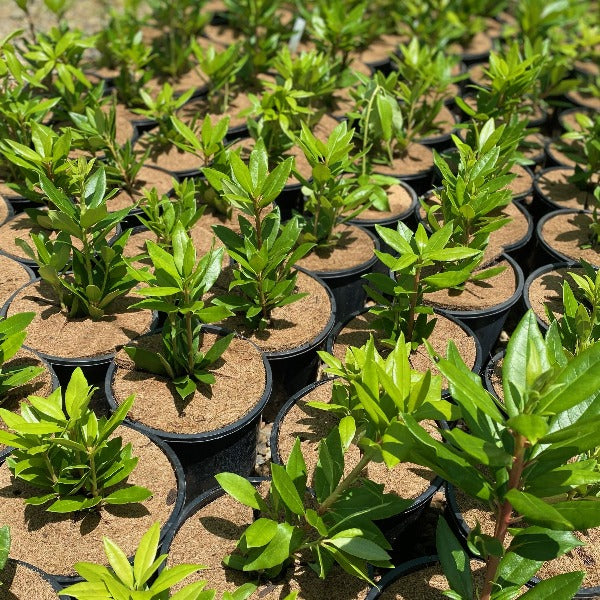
[366,128]
[504,515]
[345,483]
[410,326]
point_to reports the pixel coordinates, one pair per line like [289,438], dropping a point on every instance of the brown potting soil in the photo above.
[292,325]
[444,123]
[55,542]
[554,184]
[481,42]
[566,233]
[13,277]
[18,582]
[240,384]
[354,248]
[124,129]
[556,150]
[547,289]
[40,385]
[523,182]
[535,150]
[417,160]
[170,159]
[212,533]
[568,118]
[52,333]
[478,294]
[357,331]
[19,227]
[584,99]
[399,200]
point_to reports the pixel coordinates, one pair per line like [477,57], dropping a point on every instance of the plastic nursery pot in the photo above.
[347,284]
[203,455]
[487,323]
[477,364]
[461,529]
[78,530]
[290,200]
[378,591]
[27,581]
[553,286]
[295,368]
[94,367]
[547,253]
[391,527]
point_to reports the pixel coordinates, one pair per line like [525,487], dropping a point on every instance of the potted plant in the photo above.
[64,454]
[262,281]
[84,282]
[200,389]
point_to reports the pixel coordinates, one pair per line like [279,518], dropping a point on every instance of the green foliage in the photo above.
[123,581]
[339,28]
[163,214]
[222,69]
[85,272]
[68,452]
[579,325]
[206,142]
[399,296]
[335,520]
[333,195]
[95,131]
[264,252]
[48,158]
[177,287]
[4,546]
[162,108]
[515,456]
[12,335]
[475,191]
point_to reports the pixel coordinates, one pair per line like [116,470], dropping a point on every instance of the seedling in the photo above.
[264,252]
[12,335]
[98,271]
[334,521]
[177,287]
[69,453]
[333,195]
[399,296]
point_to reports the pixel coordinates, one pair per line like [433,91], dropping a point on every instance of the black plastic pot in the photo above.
[391,577]
[295,368]
[347,284]
[545,253]
[479,356]
[290,200]
[487,323]
[94,368]
[488,370]
[178,501]
[203,455]
[461,530]
[540,272]
[392,527]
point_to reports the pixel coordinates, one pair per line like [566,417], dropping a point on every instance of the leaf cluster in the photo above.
[85,272]
[12,335]
[67,452]
[422,265]
[177,288]
[525,444]
[265,252]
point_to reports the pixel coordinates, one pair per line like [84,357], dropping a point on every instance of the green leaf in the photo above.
[533,427]
[241,489]
[134,493]
[284,485]
[454,559]
[360,547]
[559,587]
[283,545]
[146,554]
[260,533]
[119,563]
[4,545]
[541,544]
[536,511]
